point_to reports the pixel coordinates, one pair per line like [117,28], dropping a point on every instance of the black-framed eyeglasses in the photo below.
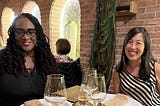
[31,32]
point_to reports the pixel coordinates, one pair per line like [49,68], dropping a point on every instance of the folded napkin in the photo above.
[44,103]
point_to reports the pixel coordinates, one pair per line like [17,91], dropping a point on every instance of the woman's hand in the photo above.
[33,102]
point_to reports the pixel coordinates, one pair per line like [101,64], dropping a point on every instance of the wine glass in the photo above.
[96,89]
[86,72]
[83,89]
[55,90]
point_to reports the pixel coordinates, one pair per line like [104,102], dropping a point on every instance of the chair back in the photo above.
[72,72]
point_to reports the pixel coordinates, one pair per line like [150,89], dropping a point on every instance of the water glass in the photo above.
[83,89]
[96,89]
[86,72]
[55,90]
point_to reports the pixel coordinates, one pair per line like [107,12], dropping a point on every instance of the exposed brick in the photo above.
[150,28]
[155,41]
[136,23]
[146,15]
[154,34]
[141,10]
[144,3]
[153,8]
[120,23]
[158,14]
[157,28]
[152,22]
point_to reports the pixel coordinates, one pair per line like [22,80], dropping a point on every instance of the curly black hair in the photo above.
[13,60]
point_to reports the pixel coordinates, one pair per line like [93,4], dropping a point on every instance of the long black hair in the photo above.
[13,55]
[146,56]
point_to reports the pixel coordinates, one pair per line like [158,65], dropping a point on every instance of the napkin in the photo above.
[66,103]
[100,95]
[72,93]
[44,103]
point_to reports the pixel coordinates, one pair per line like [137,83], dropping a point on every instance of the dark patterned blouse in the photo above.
[63,59]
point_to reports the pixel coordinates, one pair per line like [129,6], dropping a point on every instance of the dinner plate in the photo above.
[44,103]
[132,102]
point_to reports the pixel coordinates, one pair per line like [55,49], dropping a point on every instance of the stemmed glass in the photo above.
[83,89]
[96,89]
[55,90]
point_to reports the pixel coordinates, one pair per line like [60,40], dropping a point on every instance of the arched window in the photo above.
[65,23]
[6,20]
[32,7]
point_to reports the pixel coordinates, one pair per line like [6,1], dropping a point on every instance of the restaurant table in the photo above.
[72,97]
[72,94]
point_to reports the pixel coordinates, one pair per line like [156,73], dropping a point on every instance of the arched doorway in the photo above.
[6,20]
[32,7]
[65,23]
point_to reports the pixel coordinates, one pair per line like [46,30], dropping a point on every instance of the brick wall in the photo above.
[88,8]
[87,20]
[148,16]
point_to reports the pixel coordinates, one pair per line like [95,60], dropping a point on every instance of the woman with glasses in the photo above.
[25,62]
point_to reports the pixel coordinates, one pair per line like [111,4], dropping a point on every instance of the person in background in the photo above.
[25,63]
[66,66]
[138,74]
[63,48]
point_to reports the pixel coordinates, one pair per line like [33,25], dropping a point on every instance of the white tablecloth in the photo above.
[44,103]
[132,102]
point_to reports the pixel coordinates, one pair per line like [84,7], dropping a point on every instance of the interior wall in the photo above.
[148,16]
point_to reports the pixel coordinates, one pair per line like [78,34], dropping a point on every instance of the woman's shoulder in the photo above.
[157,66]
[115,74]
[1,52]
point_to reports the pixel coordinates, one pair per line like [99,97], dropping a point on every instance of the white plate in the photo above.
[44,103]
[132,102]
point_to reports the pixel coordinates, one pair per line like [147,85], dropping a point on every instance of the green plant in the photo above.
[103,43]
